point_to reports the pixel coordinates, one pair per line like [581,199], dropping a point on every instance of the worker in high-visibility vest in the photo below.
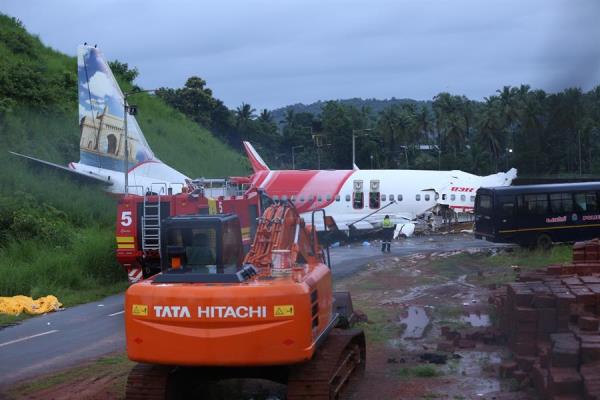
[388,234]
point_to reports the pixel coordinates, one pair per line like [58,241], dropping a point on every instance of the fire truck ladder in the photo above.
[151,223]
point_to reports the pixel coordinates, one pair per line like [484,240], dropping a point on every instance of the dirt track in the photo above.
[407,300]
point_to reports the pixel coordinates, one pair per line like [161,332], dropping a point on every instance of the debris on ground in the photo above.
[550,318]
[16,305]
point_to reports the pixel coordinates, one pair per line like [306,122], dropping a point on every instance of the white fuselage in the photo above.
[151,176]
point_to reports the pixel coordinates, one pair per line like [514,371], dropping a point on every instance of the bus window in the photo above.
[586,202]
[484,204]
[561,203]
[358,202]
[535,204]
[506,205]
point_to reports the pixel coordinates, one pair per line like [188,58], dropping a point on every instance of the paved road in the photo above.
[55,341]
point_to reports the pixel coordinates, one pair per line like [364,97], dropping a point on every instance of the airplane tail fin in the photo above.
[256,160]
[101,117]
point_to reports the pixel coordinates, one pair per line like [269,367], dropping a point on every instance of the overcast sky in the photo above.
[274,53]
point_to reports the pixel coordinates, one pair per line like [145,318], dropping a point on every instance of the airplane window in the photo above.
[452,197]
[383,197]
[284,198]
[293,198]
[319,198]
[301,198]
[347,197]
[437,196]
[472,199]
[275,198]
[328,197]
[418,197]
[427,197]
[399,197]
[444,196]
[391,197]
[337,197]
[463,197]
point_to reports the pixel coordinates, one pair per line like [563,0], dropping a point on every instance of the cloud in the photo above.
[273,53]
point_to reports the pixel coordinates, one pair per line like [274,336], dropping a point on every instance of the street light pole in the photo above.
[125,113]
[293,156]
[354,131]
[125,110]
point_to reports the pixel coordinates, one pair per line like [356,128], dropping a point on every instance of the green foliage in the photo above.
[56,234]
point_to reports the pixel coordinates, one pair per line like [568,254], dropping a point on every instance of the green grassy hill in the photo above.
[57,235]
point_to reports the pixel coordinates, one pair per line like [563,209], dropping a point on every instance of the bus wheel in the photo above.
[543,242]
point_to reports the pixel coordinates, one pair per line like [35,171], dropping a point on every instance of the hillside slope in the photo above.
[56,235]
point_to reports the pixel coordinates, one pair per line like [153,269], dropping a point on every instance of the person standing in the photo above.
[388,234]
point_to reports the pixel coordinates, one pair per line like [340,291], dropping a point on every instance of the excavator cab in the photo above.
[201,248]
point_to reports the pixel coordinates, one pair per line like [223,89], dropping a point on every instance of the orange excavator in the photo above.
[212,314]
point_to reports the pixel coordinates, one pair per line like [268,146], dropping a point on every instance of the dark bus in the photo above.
[538,215]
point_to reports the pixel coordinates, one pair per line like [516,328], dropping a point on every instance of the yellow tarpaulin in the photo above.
[17,304]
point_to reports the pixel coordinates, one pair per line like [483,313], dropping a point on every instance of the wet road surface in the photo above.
[48,343]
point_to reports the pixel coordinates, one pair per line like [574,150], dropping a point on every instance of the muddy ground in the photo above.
[407,300]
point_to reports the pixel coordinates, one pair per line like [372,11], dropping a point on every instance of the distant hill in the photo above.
[375,105]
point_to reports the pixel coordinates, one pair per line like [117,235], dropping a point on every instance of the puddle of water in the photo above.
[477,320]
[416,321]
[474,369]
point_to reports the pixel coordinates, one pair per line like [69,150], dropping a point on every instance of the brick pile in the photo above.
[550,319]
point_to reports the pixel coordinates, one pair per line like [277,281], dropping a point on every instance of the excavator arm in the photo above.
[282,228]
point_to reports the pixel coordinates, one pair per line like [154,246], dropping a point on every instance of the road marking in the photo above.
[27,338]
[117,313]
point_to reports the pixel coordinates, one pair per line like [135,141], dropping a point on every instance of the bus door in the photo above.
[484,212]
[505,213]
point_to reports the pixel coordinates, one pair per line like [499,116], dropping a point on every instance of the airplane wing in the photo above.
[89,177]
[360,225]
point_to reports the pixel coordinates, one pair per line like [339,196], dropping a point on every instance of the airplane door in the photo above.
[374,195]
[358,199]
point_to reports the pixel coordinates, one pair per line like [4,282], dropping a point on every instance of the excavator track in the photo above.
[146,381]
[338,361]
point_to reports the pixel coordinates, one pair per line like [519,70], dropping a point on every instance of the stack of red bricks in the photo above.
[550,320]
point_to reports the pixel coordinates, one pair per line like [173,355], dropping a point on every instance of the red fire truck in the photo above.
[139,218]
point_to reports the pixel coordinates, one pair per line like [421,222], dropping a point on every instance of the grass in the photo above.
[379,329]
[488,268]
[115,365]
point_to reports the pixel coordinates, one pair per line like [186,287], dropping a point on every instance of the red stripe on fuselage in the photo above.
[142,163]
[309,185]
